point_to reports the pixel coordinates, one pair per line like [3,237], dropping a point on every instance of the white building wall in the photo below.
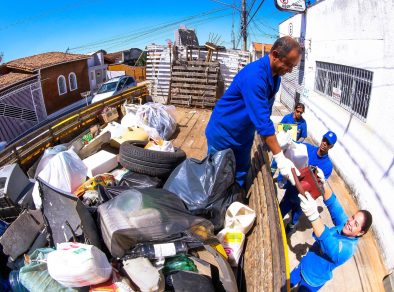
[358,34]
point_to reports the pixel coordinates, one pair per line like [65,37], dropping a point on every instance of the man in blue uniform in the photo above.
[317,156]
[246,107]
[296,118]
[333,246]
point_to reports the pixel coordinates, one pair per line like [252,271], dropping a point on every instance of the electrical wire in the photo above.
[255,12]
[143,32]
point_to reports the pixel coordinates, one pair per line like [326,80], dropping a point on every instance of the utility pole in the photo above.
[244,24]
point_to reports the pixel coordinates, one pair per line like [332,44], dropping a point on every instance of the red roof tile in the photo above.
[12,78]
[44,60]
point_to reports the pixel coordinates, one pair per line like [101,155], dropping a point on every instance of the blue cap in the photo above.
[331,137]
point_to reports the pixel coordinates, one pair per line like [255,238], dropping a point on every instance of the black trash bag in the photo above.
[207,187]
[147,215]
[140,181]
[66,217]
[216,211]
[188,281]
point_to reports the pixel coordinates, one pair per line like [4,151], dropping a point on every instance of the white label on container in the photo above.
[164,250]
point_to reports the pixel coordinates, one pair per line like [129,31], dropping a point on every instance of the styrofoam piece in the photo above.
[100,162]
[143,274]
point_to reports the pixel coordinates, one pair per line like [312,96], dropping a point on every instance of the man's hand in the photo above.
[309,207]
[285,165]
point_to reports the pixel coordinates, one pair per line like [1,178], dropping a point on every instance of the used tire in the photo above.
[133,156]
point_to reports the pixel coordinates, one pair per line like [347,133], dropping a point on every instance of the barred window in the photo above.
[347,86]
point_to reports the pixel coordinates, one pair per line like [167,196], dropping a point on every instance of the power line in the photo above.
[143,32]
[251,18]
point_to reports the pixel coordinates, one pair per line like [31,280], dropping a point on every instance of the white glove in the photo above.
[284,139]
[285,165]
[320,175]
[309,207]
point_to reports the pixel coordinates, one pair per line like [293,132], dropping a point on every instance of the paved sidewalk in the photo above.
[365,271]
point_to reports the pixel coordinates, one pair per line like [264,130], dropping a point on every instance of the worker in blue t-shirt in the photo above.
[317,156]
[296,118]
[246,107]
[333,246]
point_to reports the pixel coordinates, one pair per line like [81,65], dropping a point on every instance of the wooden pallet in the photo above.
[195,83]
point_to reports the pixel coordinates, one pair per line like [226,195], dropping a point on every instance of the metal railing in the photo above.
[347,86]
[24,150]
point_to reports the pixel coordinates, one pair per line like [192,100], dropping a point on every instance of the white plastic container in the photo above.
[78,265]
[143,274]
[239,217]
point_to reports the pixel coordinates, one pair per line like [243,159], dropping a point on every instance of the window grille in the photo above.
[72,80]
[347,86]
[11,111]
[61,85]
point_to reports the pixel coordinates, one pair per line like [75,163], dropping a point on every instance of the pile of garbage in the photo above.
[120,208]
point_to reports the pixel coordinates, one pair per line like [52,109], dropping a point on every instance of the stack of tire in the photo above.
[134,157]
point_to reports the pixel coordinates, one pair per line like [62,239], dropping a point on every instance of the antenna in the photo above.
[1,56]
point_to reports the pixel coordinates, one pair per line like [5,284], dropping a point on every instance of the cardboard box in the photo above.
[110,115]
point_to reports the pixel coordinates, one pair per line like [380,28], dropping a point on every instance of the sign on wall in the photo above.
[291,5]
[336,94]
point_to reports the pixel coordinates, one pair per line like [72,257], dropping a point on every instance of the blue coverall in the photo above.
[245,107]
[330,250]
[290,201]
[302,131]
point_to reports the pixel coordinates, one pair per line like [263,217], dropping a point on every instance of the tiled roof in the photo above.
[12,78]
[44,60]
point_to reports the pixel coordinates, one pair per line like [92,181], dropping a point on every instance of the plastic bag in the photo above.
[64,171]
[161,145]
[140,181]
[157,120]
[47,156]
[136,216]
[78,265]
[105,179]
[239,217]
[200,183]
[34,275]
[284,139]
[298,153]
[233,242]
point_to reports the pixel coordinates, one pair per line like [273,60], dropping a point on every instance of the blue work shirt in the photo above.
[330,250]
[323,162]
[301,125]
[245,107]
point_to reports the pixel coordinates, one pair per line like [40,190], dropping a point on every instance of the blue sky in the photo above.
[32,27]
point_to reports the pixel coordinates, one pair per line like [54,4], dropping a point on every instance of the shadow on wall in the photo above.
[386,211]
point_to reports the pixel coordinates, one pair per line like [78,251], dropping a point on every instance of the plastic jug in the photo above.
[239,217]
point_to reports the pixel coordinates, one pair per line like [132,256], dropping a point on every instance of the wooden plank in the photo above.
[182,91]
[193,97]
[195,86]
[194,103]
[194,80]
[195,69]
[185,129]
[194,74]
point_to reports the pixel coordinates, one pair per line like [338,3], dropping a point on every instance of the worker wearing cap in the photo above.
[246,107]
[317,156]
[296,118]
[333,246]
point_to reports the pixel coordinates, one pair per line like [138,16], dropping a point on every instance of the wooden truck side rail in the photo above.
[24,150]
[266,265]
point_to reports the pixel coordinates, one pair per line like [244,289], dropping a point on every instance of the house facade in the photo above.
[63,77]
[347,85]
[259,50]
